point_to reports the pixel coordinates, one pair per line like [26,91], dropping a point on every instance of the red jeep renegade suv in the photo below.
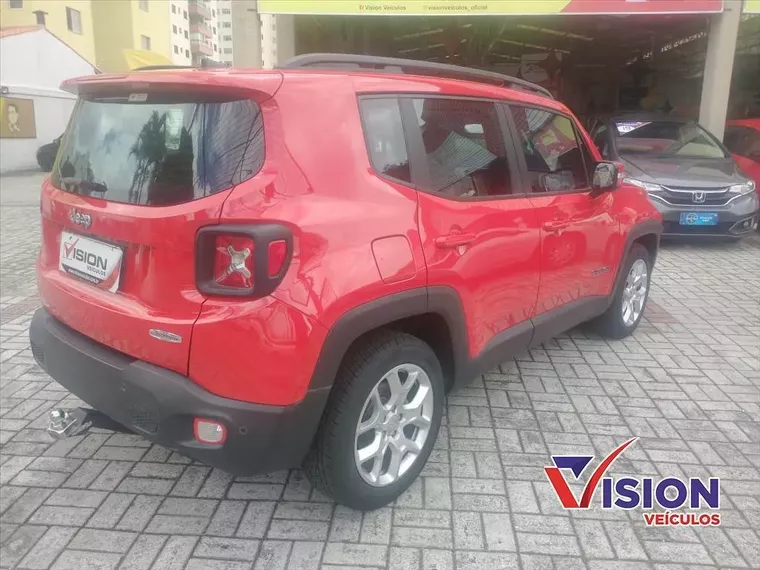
[267,269]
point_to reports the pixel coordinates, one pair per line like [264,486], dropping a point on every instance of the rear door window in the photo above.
[159,150]
[464,147]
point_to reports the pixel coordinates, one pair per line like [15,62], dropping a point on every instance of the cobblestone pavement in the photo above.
[686,383]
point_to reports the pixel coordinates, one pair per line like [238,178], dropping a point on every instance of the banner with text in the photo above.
[489,7]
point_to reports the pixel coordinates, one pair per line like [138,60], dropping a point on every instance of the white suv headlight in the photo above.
[648,186]
[741,189]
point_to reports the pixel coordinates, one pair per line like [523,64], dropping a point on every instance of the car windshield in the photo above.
[663,139]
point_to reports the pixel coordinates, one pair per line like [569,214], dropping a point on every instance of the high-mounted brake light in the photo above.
[242,260]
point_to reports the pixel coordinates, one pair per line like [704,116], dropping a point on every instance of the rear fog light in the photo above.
[209,431]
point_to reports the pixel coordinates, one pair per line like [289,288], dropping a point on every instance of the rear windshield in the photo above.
[153,150]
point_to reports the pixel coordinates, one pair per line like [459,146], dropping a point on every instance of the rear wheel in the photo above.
[627,308]
[381,422]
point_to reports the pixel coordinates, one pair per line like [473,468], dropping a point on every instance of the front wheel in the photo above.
[624,314]
[381,422]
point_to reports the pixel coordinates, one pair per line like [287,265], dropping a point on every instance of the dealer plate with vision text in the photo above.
[91,260]
[698,219]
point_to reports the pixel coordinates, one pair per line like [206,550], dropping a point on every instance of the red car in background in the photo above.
[742,138]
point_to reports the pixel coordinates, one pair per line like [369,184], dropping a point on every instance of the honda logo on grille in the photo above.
[698,197]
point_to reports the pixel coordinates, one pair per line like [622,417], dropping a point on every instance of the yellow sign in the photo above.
[411,7]
[752,6]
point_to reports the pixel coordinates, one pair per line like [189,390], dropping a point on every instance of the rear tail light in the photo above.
[209,431]
[237,260]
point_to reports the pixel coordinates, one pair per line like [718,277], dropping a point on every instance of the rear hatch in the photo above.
[147,160]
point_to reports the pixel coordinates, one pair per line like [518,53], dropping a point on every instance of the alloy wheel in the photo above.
[635,292]
[394,425]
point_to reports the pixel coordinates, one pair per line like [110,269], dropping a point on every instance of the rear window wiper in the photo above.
[87,187]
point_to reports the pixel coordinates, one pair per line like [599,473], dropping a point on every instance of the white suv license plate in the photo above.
[91,260]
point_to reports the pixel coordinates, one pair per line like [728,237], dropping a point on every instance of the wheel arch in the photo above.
[432,314]
[647,234]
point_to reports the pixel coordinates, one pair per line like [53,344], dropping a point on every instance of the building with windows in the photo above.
[179,19]
[142,25]
[69,20]
[204,30]
[224,17]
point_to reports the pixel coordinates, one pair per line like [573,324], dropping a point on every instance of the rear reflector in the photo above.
[278,251]
[209,431]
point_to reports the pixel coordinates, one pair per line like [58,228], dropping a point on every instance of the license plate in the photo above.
[698,219]
[91,260]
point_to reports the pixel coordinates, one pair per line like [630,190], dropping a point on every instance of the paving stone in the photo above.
[143,552]
[298,530]
[227,548]
[103,540]
[273,555]
[19,543]
[686,383]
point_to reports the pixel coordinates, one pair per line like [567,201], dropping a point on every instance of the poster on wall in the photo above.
[486,7]
[17,118]
[752,6]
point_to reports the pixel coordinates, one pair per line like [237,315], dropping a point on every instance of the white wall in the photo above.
[32,66]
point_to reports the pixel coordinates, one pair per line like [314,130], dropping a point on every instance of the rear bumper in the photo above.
[736,219]
[161,405]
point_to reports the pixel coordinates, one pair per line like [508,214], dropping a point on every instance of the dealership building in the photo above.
[697,58]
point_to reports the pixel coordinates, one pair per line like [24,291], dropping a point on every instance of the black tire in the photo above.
[330,464]
[611,324]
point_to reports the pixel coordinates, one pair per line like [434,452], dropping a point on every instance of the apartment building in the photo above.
[123,25]
[226,47]
[69,20]
[179,19]
[204,30]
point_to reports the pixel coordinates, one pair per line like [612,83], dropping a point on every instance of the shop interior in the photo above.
[595,64]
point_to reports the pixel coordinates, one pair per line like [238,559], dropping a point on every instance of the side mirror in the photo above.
[605,177]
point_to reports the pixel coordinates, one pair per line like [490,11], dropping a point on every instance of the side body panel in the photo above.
[348,224]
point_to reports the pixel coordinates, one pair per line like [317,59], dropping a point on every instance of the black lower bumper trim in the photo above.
[161,405]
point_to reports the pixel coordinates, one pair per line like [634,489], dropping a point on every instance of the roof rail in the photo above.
[412,67]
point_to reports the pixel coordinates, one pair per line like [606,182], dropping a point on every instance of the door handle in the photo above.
[454,240]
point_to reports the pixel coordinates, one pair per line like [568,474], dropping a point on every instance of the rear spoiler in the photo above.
[244,82]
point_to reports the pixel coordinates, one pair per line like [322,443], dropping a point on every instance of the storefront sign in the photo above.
[17,118]
[487,7]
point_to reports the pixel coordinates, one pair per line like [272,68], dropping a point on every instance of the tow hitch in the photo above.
[78,421]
